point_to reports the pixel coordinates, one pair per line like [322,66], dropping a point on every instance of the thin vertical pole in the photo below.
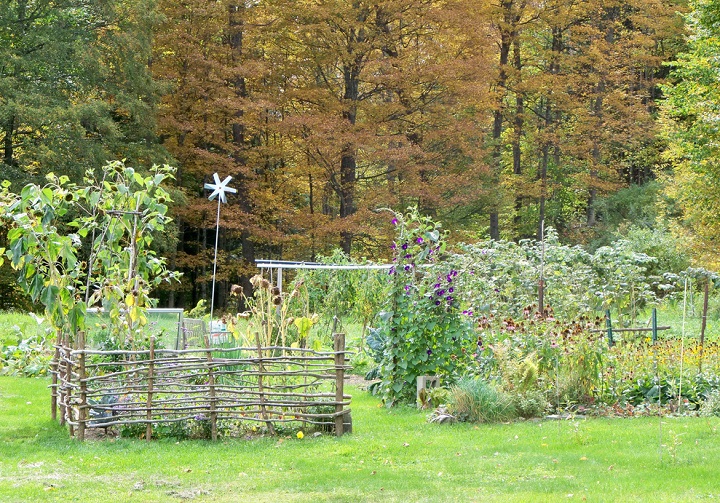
[541,283]
[217,235]
[339,347]
[682,347]
[704,323]
[82,407]
[54,367]
[150,382]
[261,371]
[608,324]
[211,391]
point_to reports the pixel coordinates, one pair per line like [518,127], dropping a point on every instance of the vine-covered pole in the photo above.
[83,405]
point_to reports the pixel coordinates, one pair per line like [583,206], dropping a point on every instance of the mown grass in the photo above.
[393,455]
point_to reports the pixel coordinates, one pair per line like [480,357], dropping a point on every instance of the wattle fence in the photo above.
[266,386]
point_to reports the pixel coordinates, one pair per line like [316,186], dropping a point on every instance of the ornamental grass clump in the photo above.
[473,400]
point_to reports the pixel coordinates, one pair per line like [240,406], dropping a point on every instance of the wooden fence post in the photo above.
[211,390]
[261,370]
[148,412]
[54,366]
[339,348]
[82,407]
[68,386]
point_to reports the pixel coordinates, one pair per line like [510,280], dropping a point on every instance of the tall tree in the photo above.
[74,85]
[690,125]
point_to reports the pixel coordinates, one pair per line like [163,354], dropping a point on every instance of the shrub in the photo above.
[711,406]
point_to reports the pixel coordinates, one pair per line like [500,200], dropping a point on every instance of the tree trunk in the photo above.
[518,124]
[8,154]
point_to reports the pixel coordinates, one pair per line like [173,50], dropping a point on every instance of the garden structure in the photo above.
[213,388]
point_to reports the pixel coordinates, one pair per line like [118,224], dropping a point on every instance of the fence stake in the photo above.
[608,324]
[261,370]
[54,366]
[82,408]
[339,343]
[151,369]
[68,389]
[211,388]
[704,323]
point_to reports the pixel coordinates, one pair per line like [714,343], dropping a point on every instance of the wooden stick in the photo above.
[211,386]
[54,364]
[271,429]
[148,415]
[339,346]
[82,409]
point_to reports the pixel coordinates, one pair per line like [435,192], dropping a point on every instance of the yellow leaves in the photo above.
[130,300]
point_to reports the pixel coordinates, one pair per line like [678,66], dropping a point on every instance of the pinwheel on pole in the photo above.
[219,189]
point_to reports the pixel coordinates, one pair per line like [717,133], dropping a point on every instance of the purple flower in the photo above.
[393,246]
[407,288]
[392,270]
[436,285]
[449,298]
[437,302]
[453,273]
[465,311]
[429,352]
[408,256]
[404,246]
[407,267]
[440,293]
[419,240]
[394,221]
[451,290]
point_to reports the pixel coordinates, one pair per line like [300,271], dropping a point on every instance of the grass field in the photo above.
[393,455]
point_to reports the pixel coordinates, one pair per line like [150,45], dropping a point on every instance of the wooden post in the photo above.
[62,372]
[211,390]
[151,368]
[339,348]
[54,366]
[68,386]
[82,408]
[261,370]
[704,323]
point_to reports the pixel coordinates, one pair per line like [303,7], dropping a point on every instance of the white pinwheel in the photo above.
[220,188]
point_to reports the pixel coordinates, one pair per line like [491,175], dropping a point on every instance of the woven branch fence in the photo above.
[261,385]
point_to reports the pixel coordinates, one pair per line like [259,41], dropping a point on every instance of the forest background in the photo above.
[597,117]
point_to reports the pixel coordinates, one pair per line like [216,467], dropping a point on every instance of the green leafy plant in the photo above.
[423,329]
[78,246]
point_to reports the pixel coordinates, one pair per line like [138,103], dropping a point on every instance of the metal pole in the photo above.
[217,235]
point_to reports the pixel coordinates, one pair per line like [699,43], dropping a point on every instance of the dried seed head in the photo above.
[256,280]
[244,315]
[275,291]
[277,300]
[265,284]
[235,290]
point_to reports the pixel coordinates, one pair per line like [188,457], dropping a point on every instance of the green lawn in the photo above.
[393,455]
